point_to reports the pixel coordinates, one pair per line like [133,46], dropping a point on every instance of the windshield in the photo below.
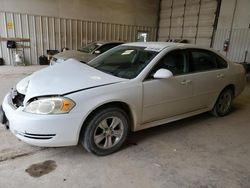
[90,47]
[123,61]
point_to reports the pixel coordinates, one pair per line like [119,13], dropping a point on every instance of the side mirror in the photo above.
[163,73]
[97,52]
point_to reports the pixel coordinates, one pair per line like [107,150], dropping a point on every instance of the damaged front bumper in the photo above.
[41,130]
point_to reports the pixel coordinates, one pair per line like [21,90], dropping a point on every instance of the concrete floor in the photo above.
[198,152]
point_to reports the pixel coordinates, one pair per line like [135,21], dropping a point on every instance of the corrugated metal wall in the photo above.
[187,19]
[55,33]
[239,46]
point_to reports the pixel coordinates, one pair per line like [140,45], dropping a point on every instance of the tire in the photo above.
[223,104]
[106,131]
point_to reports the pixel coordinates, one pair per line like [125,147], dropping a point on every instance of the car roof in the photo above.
[108,42]
[155,44]
[159,46]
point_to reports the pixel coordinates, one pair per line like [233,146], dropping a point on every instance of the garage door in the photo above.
[187,19]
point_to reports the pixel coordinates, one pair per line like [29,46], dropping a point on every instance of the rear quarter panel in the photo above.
[239,77]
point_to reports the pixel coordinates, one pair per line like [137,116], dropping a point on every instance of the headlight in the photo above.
[52,105]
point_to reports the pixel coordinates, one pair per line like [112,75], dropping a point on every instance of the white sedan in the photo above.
[130,87]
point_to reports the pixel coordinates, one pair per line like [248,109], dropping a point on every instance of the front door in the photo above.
[164,98]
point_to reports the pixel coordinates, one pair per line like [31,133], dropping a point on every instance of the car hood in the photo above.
[78,55]
[69,76]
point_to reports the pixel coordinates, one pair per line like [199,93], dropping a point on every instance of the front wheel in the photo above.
[224,103]
[106,131]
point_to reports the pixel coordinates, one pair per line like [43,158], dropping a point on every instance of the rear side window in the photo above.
[202,60]
[221,63]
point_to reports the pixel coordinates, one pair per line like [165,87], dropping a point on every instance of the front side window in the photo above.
[202,60]
[124,61]
[174,61]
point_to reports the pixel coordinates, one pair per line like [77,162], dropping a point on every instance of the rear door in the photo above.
[208,72]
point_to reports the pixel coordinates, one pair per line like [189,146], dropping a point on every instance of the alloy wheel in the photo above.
[108,132]
[224,102]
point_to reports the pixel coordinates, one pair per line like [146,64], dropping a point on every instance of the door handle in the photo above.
[220,76]
[184,82]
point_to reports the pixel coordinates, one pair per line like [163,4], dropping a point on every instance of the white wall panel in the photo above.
[239,46]
[53,33]
[129,12]
[234,18]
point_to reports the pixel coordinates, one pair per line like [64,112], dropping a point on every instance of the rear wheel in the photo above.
[224,103]
[106,131]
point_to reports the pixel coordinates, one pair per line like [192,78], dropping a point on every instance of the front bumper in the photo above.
[42,130]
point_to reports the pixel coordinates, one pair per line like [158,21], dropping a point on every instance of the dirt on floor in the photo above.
[198,152]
